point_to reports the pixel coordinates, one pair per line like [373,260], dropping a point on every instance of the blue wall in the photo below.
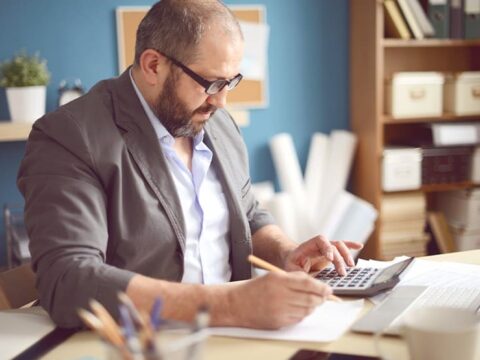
[308,68]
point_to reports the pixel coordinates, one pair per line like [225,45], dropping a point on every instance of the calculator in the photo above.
[364,281]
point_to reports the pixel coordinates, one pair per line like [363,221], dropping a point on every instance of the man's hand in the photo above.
[276,300]
[317,253]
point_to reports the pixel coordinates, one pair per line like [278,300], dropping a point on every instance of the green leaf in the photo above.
[24,70]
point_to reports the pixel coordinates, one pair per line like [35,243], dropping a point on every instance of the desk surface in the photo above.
[86,344]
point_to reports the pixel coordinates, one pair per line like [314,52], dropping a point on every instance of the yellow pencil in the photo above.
[270,267]
[110,326]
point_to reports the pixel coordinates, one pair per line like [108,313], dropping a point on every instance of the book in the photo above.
[421,18]
[441,231]
[457,19]
[403,206]
[395,25]
[472,19]
[439,14]
[414,225]
[410,19]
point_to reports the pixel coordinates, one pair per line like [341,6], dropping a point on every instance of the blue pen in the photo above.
[155,316]
[131,336]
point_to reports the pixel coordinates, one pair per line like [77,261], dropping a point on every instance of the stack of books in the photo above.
[415,19]
[403,218]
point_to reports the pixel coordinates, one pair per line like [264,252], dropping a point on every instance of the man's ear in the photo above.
[151,64]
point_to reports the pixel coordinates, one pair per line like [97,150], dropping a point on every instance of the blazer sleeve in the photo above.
[66,219]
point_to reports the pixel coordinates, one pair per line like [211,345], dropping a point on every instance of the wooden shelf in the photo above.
[449,187]
[388,119]
[14,131]
[373,59]
[392,43]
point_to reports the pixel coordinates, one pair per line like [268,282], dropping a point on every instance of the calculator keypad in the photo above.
[356,278]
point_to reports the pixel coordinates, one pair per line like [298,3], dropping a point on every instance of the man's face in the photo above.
[176,115]
[182,106]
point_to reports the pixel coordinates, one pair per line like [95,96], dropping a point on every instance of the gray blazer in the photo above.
[101,205]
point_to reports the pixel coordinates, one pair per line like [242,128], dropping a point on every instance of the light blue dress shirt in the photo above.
[204,207]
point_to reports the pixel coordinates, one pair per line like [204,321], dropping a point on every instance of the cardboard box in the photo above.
[461,207]
[401,168]
[462,93]
[466,238]
[415,94]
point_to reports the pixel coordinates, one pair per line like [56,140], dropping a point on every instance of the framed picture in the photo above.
[251,93]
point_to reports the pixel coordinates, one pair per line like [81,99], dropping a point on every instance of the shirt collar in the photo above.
[162,133]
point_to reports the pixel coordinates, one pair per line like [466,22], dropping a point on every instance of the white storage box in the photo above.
[476,166]
[466,238]
[415,94]
[461,207]
[462,93]
[401,168]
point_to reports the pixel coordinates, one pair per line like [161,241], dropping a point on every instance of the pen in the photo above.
[142,323]
[270,267]
[155,317]
[131,336]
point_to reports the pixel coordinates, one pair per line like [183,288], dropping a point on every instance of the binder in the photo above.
[439,14]
[472,19]
[421,18]
[457,19]
[410,18]
[395,25]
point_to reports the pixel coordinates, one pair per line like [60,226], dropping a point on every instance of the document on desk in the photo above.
[327,323]
[431,273]
[21,328]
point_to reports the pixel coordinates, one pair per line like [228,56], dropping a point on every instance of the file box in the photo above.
[462,93]
[442,165]
[415,94]
[461,208]
[476,166]
[401,168]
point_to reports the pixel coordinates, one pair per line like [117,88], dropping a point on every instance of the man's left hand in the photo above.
[318,252]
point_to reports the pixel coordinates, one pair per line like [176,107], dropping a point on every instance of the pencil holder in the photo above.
[171,342]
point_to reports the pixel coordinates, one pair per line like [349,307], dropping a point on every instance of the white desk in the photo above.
[86,344]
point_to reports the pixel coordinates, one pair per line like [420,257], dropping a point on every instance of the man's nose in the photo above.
[219,99]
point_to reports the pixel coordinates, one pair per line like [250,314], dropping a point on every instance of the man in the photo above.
[142,185]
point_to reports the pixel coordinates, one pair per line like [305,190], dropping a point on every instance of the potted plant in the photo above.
[25,78]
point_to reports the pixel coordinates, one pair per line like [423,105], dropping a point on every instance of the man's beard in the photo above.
[174,115]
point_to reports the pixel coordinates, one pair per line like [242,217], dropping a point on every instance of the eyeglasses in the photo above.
[211,87]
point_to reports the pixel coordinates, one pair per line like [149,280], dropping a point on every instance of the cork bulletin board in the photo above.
[248,94]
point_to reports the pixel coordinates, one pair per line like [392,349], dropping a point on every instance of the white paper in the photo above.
[21,328]
[315,173]
[281,206]
[291,180]
[327,323]
[340,156]
[254,63]
[429,273]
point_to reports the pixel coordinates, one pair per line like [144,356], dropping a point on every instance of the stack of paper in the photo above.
[403,221]
[327,323]
[318,203]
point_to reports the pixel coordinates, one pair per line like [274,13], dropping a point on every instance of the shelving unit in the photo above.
[14,131]
[372,60]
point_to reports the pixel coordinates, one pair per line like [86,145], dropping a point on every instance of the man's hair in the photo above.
[176,27]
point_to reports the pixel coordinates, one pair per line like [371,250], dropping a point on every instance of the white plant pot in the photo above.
[26,104]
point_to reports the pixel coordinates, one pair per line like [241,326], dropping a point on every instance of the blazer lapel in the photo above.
[239,228]
[143,145]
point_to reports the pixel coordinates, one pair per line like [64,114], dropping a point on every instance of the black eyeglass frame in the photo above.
[211,87]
